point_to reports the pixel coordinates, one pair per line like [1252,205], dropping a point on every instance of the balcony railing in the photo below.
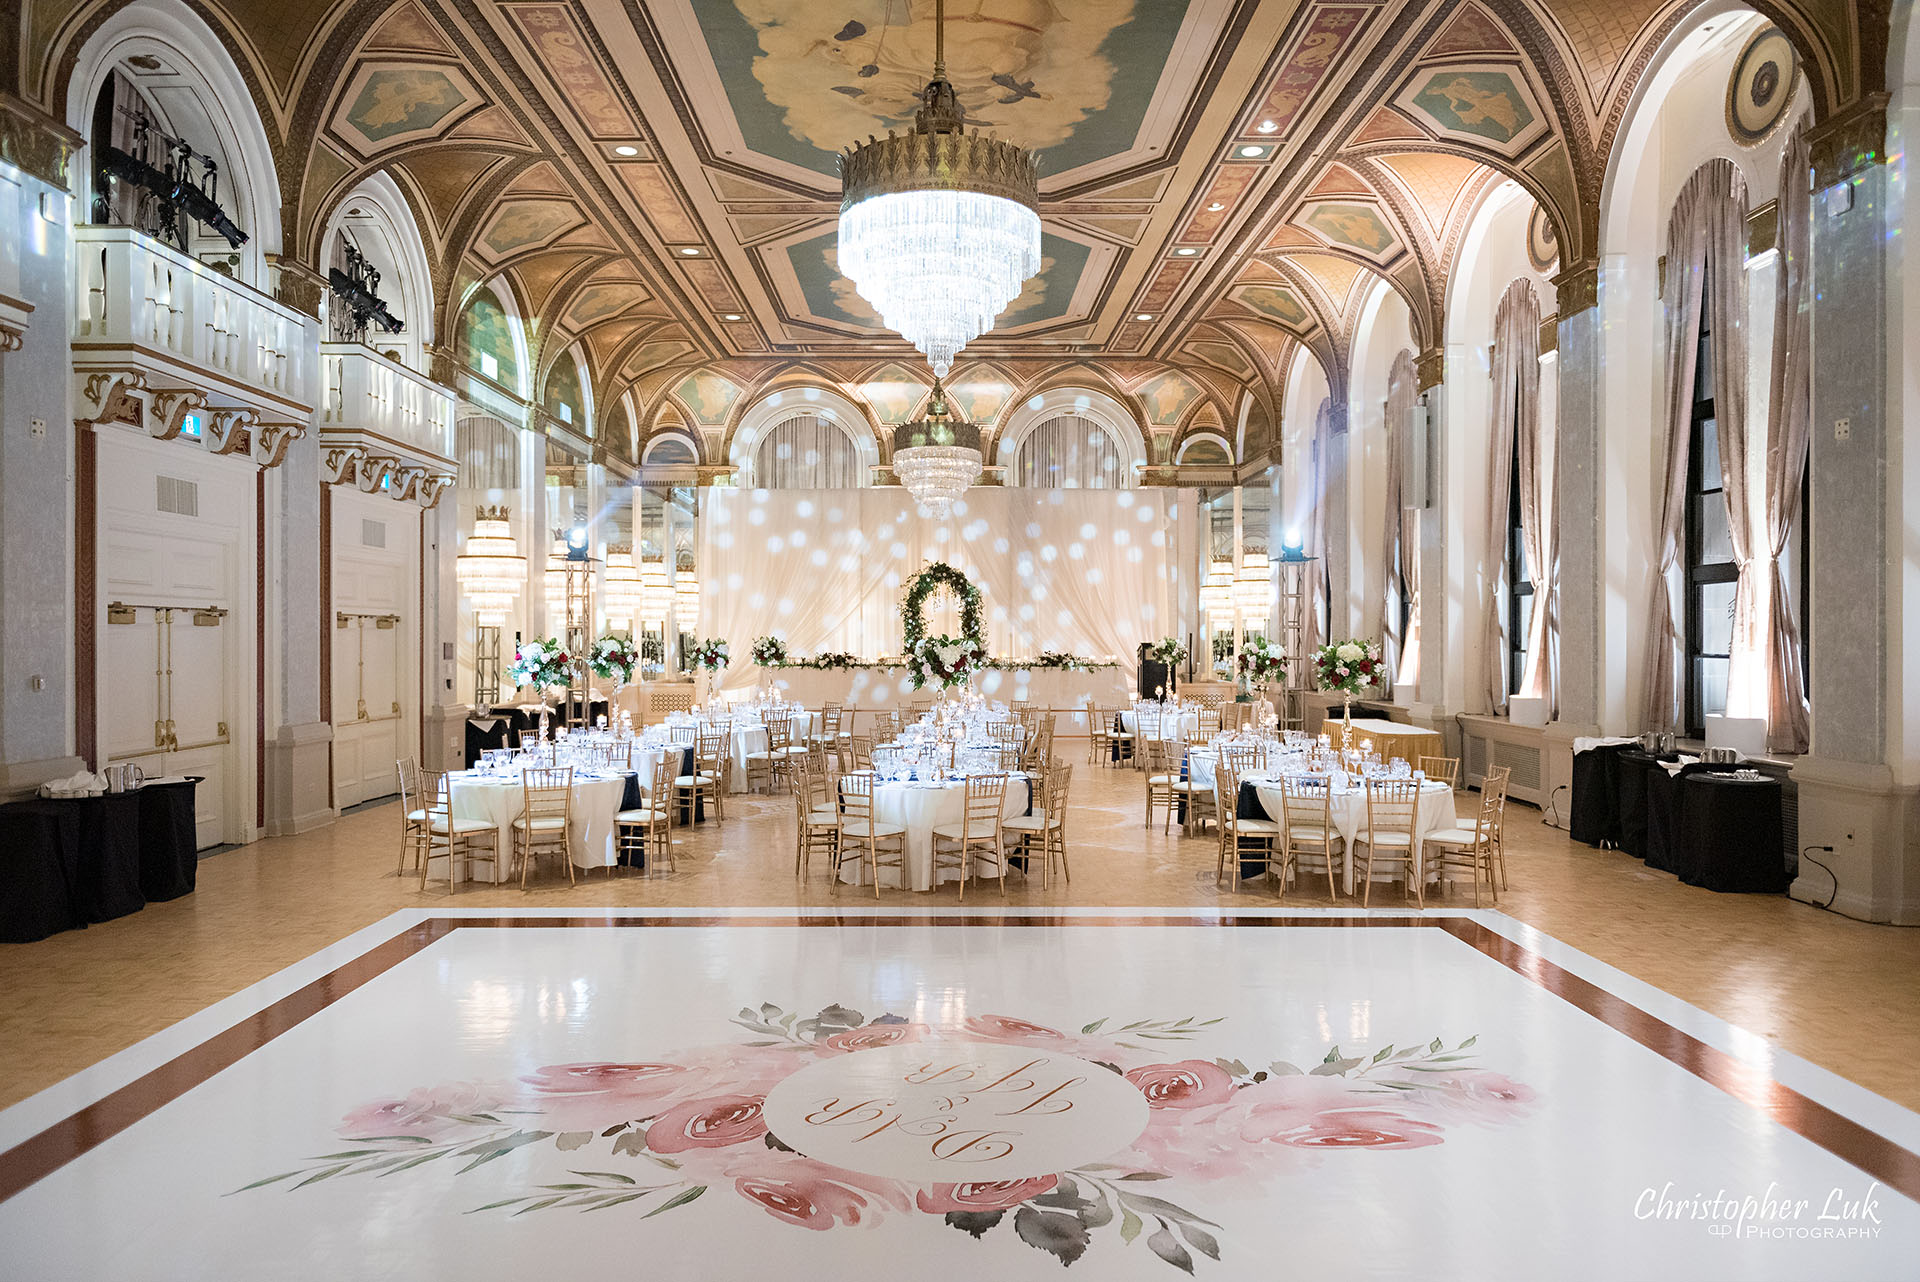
[162,307]
[367,393]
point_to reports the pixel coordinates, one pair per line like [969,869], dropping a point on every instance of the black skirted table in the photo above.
[1593,818]
[1727,833]
[68,862]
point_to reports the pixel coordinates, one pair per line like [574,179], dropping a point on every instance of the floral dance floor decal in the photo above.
[969,1098]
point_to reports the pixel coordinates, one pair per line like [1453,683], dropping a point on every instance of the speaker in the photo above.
[1153,673]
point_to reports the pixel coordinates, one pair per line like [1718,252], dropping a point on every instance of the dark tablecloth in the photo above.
[1662,809]
[66,862]
[1728,833]
[1594,816]
[169,863]
[1631,769]
[484,733]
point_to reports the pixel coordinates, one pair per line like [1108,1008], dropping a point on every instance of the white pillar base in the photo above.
[1872,824]
[299,769]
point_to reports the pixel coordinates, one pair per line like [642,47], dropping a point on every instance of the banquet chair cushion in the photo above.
[689,781]
[1189,785]
[459,827]
[1304,832]
[1385,838]
[859,829]
[1161,780]
[545,823]
[962,832]
[1453,836]
[1256,827]
[642,815]
[823,815]
[420,816]
[1029,823]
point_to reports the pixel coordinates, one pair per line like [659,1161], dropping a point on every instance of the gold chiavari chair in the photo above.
[1208,720]
[453,839]
[1470,846]
[1046,824]
[684,734]
[1393,811]
[1240,838]
[648,830]
[859,753]
[545,817]
[415,812]
[1007,759]
[712,764]
[771,764]
[978,836]
[1007,734]
[862,834]
[890,727]
[1498,781]
[1158,765]
[1100,750]
[1444,769]
[1039,749]
[1198,797]
[816,817]
[1308,806]
[830,732]
[1126,742]
[919,708]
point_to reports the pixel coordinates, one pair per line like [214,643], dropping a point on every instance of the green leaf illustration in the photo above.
[1162,1244]
[1130,1226]
[678,1199]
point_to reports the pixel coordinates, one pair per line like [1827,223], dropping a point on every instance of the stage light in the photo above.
[577,542]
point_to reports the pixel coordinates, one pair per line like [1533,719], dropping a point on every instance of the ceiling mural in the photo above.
[1071,80]
[652,183]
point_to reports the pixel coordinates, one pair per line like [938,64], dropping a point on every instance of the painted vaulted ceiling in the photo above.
[1223,181]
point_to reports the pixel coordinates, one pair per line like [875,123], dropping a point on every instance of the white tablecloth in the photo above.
[920,808]
[1165,726]
[500,799]
[1350,814]
[751,737]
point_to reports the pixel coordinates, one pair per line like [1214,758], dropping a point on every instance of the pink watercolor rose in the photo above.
[428,1112]
[1230,1139]
[993,1195]
[717,1122]
[1004,1028]
[594,1096]
[874,1035]
[1361,1128]
[1190,1083]
[810,1194]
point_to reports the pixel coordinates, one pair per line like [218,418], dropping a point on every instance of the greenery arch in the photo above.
[913,621]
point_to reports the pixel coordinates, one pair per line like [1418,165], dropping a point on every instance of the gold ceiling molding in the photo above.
[36,143]
[1849,143]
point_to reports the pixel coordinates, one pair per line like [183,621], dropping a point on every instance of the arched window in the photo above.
[670,451]
[486,340]
[806,452]
[1068,451]
[566,397]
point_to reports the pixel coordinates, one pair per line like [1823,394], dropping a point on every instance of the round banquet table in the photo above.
[1164,726]
[920,807]
[1728,833]
[1350,815]
[499,799]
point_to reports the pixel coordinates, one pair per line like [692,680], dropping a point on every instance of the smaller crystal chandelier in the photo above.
[937,457]
[621,591]
[656,598]
[556,572]
[1216,596]
[1253,589]
[686,598]
[491,571]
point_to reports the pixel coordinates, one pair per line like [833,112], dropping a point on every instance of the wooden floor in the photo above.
[1835,991]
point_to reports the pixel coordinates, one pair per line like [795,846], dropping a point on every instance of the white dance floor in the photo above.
[884,1094]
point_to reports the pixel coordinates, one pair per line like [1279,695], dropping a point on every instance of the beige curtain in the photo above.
[1539,510]
[1515,416]
[1320,602]
[1399,544]
[1789,405]
[1706,251]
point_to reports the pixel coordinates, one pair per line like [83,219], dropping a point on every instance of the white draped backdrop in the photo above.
[1090,572]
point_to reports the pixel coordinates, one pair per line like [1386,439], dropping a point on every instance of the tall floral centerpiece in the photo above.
[613,659]
[1351,667]
[1262,663]
[1171,651]
[707,658]
[542,663]
[944,662]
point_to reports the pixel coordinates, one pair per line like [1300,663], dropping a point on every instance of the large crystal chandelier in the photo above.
[491,571]
[938,227]
[656,596]
[938,456]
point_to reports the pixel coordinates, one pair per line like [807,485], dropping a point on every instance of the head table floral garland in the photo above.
[945,662]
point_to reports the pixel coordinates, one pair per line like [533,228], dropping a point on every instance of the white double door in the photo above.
[376,643]
[176,622]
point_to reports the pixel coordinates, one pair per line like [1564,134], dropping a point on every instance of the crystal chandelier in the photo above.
[1253,590]
[621,590]
[686,599]
[491,571]
[939,228]
[655,596]
[937,457]
[1216,596]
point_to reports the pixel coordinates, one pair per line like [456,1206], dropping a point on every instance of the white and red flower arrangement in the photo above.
[1263,663]
[614,658]
[944,661]
[1348,667]
[657,1134]
[707,656]
[541,663]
